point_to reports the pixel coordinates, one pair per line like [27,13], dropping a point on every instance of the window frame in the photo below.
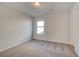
[40,26]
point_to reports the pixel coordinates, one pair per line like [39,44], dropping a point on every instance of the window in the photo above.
[40,27]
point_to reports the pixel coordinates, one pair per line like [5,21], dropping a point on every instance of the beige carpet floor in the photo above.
[38,48]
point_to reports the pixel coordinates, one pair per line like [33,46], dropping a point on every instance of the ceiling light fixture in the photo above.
[36,4]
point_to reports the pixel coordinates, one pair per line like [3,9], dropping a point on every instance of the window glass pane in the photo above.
[40,23]
[40,30]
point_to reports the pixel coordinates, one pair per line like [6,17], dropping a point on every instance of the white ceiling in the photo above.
[46,7]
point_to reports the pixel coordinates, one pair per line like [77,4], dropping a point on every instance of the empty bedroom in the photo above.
[39,29]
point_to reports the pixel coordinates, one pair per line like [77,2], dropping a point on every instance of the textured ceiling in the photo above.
[45,7]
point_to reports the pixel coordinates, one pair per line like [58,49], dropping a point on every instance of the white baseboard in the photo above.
[17,43]
[55,41]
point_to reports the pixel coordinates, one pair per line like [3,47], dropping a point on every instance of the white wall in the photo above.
[15,27]
[57,27]
[35,35]
[75,27]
